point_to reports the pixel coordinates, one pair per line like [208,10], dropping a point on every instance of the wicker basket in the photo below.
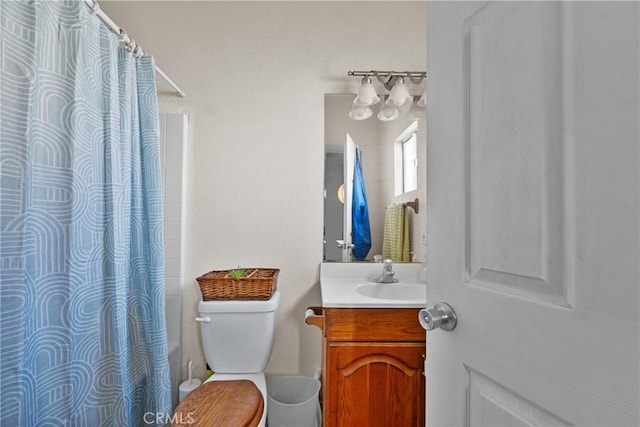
[257,284]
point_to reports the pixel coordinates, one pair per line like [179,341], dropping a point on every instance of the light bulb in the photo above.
[360,113]
[388,112]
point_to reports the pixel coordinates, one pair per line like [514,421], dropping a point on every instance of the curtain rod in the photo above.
[135,48]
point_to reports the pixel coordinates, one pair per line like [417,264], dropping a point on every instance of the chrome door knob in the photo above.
[440,316]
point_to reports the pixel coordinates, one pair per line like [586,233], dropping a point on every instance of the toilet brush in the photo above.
[190,384]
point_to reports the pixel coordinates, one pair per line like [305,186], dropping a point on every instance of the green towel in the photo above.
[395,242]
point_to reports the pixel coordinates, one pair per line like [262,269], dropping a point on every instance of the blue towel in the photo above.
[361,231]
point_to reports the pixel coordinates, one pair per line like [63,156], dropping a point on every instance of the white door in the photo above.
[349,164]
[533,222]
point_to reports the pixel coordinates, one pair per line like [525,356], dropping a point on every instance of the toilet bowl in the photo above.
[237,338]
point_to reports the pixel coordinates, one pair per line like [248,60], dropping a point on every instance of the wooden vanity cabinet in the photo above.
[373,362]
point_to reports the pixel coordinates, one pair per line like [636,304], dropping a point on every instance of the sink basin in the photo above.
[351,284]
[393,291]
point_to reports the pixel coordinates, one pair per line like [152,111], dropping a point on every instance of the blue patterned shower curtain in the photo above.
[82,316]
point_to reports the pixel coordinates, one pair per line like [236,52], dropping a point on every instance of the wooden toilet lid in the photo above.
[236,403]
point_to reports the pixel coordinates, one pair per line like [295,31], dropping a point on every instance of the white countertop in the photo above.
[338,283]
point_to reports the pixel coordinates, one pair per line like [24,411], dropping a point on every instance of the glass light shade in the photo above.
[388,113]
[422,102]
[360,113]
[416,112]
[366,94]
[399,93]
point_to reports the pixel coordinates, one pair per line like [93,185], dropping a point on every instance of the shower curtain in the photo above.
[82,316]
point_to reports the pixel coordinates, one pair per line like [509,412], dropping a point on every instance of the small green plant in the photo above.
[237,273]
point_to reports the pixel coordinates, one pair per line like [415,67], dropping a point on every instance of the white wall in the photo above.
[255,74]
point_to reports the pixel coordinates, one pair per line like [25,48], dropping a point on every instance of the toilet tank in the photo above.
[237,336]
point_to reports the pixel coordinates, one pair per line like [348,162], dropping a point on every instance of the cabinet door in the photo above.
[374,385]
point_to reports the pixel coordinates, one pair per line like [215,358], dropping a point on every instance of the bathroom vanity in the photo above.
[373,347]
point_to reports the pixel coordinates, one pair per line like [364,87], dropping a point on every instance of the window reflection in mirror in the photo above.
[405,156]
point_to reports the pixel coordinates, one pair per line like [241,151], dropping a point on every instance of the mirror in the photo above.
[393,162]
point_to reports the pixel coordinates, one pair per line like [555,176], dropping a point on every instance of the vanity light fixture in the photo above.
[366,94]
[422,102]
[388,112]
[417,111]
[400,93]
[360,113]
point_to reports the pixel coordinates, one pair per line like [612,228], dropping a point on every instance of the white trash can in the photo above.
[292,401]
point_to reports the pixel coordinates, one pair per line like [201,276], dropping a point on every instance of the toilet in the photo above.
[237,338]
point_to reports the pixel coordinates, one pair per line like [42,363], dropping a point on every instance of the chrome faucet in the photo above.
[387,273]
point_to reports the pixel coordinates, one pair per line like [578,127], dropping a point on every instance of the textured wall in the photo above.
[255,74]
